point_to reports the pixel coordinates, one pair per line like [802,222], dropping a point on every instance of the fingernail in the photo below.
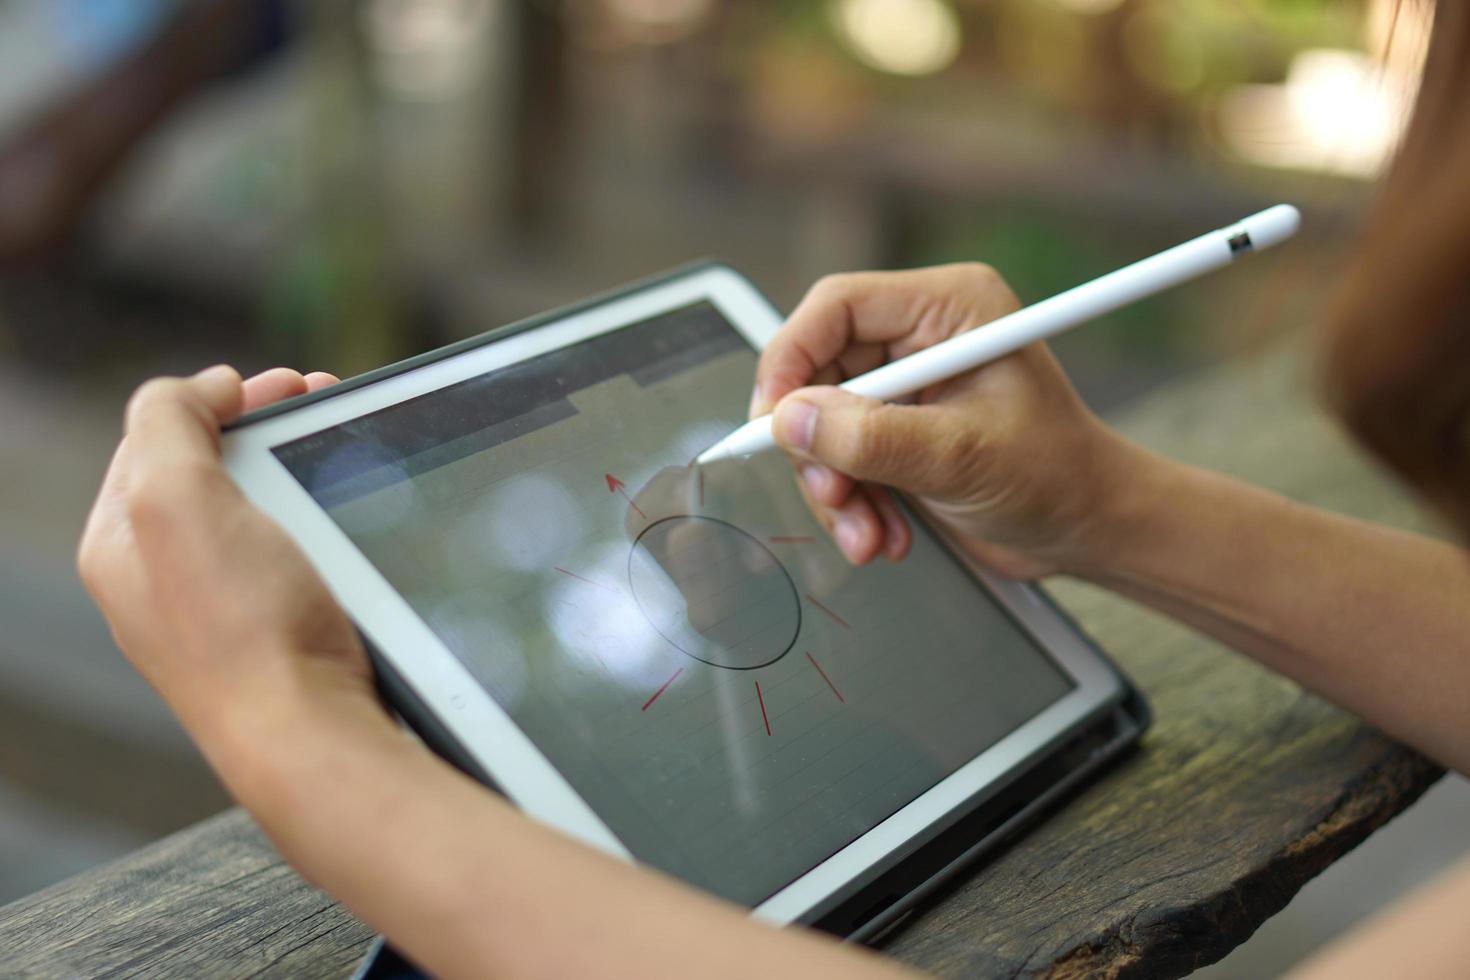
[757,401]
[798,424]
[815,478]
[848,533]
[893,536]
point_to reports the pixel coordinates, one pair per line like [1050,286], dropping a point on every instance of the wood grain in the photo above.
[210,901]
[1245,788]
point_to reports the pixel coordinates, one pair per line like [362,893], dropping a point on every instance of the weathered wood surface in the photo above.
[1244,789]
[210,901]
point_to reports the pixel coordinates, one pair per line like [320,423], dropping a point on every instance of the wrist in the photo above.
[1130,492]
[260,735]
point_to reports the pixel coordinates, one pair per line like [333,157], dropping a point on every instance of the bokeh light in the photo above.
[1338,111]
[901,37]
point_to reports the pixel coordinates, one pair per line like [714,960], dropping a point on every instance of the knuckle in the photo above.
[154,390]
[836,287]
[983,280]
[149,395]
[980,273]
[829,285]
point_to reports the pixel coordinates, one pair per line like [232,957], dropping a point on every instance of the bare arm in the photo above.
[1374,619]
[465,883]
[1423,936]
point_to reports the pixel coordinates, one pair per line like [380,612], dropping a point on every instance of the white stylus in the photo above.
[1045,319]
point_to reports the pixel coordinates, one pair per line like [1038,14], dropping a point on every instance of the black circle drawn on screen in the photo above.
[714,592]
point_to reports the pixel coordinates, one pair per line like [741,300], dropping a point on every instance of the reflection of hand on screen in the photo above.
[710,588]
[715,592]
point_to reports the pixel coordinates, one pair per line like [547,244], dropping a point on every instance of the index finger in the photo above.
[278,384]
[901,311]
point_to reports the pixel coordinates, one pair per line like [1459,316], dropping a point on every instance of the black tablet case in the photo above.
[892,890]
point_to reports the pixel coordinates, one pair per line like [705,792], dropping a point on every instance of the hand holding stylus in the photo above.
[1008,455]
[1062,312]
[1005,454]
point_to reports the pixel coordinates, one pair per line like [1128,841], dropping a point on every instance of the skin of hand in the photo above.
[224,616]
[189,575]
[1006,456]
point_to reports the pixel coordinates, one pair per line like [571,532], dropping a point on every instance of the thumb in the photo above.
[911,447]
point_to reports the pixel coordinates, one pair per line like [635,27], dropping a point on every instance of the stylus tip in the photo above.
[713,454]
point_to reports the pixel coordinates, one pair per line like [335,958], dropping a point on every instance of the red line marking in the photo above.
[826,678]
[763,707]
[840,621]
[792,539]
[665,687]
[614,485]
[581,579]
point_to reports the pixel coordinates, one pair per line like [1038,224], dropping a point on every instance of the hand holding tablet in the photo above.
[213,603]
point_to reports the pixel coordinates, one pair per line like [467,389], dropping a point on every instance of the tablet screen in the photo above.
[684,645]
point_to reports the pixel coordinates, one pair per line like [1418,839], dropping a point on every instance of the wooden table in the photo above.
[1245,788]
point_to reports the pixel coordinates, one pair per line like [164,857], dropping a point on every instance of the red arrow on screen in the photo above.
[614,485]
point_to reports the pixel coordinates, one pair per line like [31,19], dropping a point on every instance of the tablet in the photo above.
[673,663]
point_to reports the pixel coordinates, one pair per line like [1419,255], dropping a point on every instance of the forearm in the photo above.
[1422,936]
[1374,619]
[467,886]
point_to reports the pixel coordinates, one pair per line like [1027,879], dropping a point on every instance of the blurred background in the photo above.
[334,184]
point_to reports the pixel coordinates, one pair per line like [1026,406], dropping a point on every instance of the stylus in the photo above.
[1044,319]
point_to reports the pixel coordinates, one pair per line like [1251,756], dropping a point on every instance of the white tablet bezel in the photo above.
[487,733]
